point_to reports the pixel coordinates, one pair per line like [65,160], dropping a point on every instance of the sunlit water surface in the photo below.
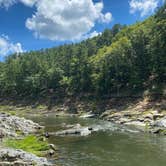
[111,145]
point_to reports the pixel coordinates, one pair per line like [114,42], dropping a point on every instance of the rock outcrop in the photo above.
[11,126]
[12,157]
[75,130]
[152,121]
[88,115]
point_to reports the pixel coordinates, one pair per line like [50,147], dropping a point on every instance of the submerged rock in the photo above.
[11,157]
[136,123]
[76,130]
[88,115]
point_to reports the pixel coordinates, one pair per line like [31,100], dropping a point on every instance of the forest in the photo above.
[131,58]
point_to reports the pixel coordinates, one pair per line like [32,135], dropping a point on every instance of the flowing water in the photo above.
[111,145]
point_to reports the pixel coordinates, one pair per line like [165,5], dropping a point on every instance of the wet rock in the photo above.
[148,116]
[46,135]
[123,120]
[136,123]
[13,157]
[51,152]
[140,119]
[76,130]
[157,115]
[160,123]
[156,130]
[106,114]
[2,133]
[88,115]
[53,147]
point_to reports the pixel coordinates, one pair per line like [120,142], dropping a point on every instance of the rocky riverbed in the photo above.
[143,116]
[13,127]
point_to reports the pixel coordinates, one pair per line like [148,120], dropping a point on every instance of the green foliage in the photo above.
[130,57]
[30,144]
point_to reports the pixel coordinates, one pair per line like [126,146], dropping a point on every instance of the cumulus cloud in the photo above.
[7,47]
[94,34]
[66,19]
[106,18]
[28,2]
[8,3]
[145,7]
[63,19]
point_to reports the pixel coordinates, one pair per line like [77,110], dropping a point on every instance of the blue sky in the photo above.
[33,25]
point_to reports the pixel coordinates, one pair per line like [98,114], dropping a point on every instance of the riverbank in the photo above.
[21,142]
[147,113]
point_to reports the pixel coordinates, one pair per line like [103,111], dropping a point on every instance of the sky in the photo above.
[36,24]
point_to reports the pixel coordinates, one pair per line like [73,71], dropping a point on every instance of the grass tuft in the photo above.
[30,144]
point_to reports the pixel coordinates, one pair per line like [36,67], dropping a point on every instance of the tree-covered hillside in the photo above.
[132,58]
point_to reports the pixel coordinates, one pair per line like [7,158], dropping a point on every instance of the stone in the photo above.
[88,115]
[123,120]
[14,157]
[11,125]
[156,116]
[156,130]
[148,116]
[53,147]
[160,123]
[76,130]
[51,152]
[106,114]
[136,123]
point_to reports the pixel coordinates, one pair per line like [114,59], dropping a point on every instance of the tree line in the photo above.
[124,57]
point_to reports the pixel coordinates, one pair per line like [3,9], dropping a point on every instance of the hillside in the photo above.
[123,60]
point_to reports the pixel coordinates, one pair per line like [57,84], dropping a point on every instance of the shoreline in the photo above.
[149,115]
[144,112]
[21,142]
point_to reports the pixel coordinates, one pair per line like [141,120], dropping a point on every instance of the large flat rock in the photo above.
[11,126]
[12,157]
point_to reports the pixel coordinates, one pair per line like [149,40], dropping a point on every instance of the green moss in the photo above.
[30,144]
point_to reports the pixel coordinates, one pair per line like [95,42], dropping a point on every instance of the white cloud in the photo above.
[94,34]
[106,18]
[63,19]
[145,7]
[28,2]
[6,3]
[7,47]
[66,19]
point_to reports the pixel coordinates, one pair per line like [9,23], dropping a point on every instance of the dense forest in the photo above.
[123,58]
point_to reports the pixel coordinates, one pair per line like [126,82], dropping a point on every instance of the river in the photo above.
[111,146]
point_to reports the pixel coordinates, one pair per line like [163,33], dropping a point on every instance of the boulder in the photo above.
[53,147]
[136,123]
[157,115]
[88,115]
[76,130]
[12,157]
[10,126]
[148,116]
[160,123]
[123,120]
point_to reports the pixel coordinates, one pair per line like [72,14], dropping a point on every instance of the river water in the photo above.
[111,145]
